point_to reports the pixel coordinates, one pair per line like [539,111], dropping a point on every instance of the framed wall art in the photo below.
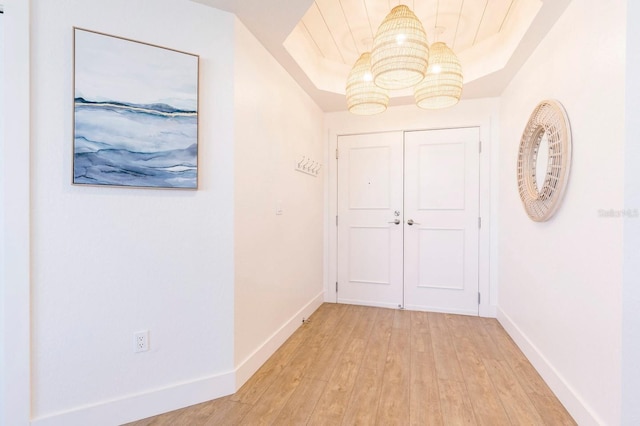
[135,121]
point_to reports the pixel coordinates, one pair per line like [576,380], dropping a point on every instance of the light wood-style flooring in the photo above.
[356,365]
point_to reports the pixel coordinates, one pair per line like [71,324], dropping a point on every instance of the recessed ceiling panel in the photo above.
[341,30]
[313,23]
[495,14]
[318,41]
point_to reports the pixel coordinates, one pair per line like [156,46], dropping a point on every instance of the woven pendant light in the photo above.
[442,86]
[363,96]
[400,50]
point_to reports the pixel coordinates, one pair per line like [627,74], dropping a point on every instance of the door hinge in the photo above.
[336,286]
[480,147]
[336,220]
[478,298]
[479,222]
[336,153]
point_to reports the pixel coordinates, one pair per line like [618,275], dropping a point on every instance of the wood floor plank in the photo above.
[546,404]
[482,340]
[551,411]
[393,407]
[470,350]
[514,399]
[252,390]
[227,412]
[455,404]
[485,400]
[298,409]
[527,376]
[332,405]
[378,343]
[362,407]
[333,346]
[354,365]
[197,414]
[420,333]
[424,404]
[457,324]
[447,366]
[402,319]
[274,398]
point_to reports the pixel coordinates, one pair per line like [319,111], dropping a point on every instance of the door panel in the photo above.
[441,258]
[369,177]
[441,179]
[430,177]
[369,194]
[442,199]
[369,254]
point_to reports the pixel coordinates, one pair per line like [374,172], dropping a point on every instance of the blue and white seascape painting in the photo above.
[135,114]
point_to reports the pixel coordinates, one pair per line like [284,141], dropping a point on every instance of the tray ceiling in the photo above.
[318,41]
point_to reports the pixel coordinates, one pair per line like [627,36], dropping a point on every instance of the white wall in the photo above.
[278,258]
[561,281]
[2,202]
[107,262]
[14,276]
[478,112]
[631,272]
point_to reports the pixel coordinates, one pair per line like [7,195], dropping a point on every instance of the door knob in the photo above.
[397,222]
[411,222]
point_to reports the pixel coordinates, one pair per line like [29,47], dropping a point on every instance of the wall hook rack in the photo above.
[307,165]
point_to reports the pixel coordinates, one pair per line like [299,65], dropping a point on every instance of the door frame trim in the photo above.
[487,123]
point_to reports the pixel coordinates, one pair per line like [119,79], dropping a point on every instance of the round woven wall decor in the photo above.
[549,120]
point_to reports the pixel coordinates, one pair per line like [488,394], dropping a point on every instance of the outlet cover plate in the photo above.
[141,341]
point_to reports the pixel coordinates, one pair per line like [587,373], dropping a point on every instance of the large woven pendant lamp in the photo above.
[442,86]
[400,50]
[363,96]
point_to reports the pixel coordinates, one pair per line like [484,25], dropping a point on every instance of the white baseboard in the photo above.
[152,403]
[367,303]
[578,409]
[488,311]
[254,361]
[140,406]
[440,310]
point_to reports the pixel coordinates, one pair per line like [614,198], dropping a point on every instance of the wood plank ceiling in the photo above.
[340,30]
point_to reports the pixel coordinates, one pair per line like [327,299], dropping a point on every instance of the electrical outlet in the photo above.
[141,341]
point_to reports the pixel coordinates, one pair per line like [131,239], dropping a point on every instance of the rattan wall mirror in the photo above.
[546,140]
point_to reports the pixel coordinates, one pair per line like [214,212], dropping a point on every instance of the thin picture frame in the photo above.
[135,113]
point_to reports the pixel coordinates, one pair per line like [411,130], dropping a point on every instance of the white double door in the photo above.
[408,218]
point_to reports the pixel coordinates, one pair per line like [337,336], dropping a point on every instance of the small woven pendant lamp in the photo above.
[363,96]
[400,50]
[442,86]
